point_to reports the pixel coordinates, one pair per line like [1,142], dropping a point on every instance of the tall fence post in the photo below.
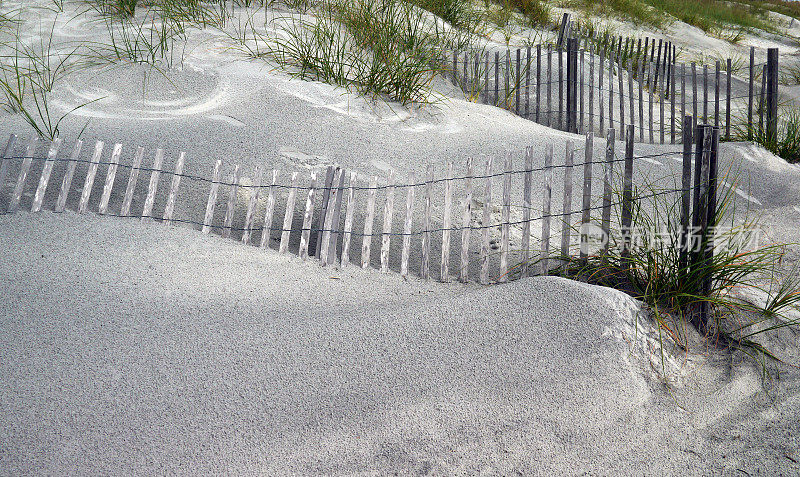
[627,199]
[572,85]
[686,198]
[750,94]
[772,95]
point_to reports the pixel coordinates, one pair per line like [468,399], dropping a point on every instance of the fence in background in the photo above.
[320,211]
[589,86]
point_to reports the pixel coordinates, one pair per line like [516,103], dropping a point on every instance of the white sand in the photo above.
[138,348]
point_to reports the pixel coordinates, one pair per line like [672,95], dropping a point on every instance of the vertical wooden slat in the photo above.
[348,220]
[267,231]
[336,222]
[686,197]
[446,223]
[672,103]
[683,91]
[705,94]
[650,106]
[111,174]
[169,209]
[227,223]
[286,230]
[600,97]
[44,179]
[153,186]
[716,93]
[327,190]
[762,101]
[549,86]
[641,101]
[19,187]
[538,80]
[526,211]
[695,119]
[621,95]
[631,102]
[561,89]
[611,89]
[89,182]
[506,219]
[661,116]
[517,84]
[366,244]
[608,174]
[546,209]
[5,160]
[406,250]
[255,193]
[66,183]
[426,225]
[466,223]
[208,220]
[486,78]
[486,224]
[388,215]
[567,210]
[582,82]
[133,177]
[587,194]
[751,87]
[497,78]
[528,82]
[308,216]
[728,102]
[591,89]
[627,197]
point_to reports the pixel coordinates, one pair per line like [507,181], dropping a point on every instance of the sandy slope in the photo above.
[208,356]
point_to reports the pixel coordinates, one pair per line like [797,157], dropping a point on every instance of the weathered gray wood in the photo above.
[561,89]
[567,210]
[705,94]
[466,220]
[591,89]
[650,106]
[169,209]
[762,101]
[716,94]
[111,174]
[517,84]
[497,78]
[672,102]
[388,215]
[308,216]
[627,196]
[327,228]
[587,194]
[327,190]
[208,220]
[538,80]
[227,223]
[506,218]
[133,177]
[66,183]
[425,271]
[582,81]
[546,209]
[728,102]
[446,223]
[286,230]
[549,86]
[406,250]
[19,188]
[611,89]
[255,192]
[608,174]
[348,220]
[751,88]
[366,244]
[267,232]
[44,179]
[661,115]
[486,223]
[601,99]
[686,196]
[772,95]
[90,175]
[683,91]
[336,222]
[641,100]
[621,96]
[528,83]
[153,186]
[695,119]
[526,212]
[631,94]
[486,78]
[5,160]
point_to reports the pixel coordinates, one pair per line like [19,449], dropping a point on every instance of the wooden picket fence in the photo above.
[583,75]
[317,216]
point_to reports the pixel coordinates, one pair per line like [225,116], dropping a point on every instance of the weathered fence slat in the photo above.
[686,197]
[267,231]
[528,83]
[627,197]
[388,215]
[337,214]
[227,223]
[751,88]
[582,82]
[728,101]
[308,216]
[19,187]
[526,211]
[506,219]
[672,103]
[591,88]
[366,244]
[347,235]
[255,193]
[89,182]
[133,177]
[567,210]
[286,230]
[694,94]
[661,116]
[66,183]
[425,272]
[608,174]
[327,190]
[5,161]
[546,200]
[153,186]
[44,179]
[327,218]
[716,94]
[406,250]
[448,206]
[466,223]
[641,101]
[169,209]
[111,174]
[631,96]
[600,98]
[208,220]
[587,194]
[538,80]
[705,94]
[549,86]
[486,223]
